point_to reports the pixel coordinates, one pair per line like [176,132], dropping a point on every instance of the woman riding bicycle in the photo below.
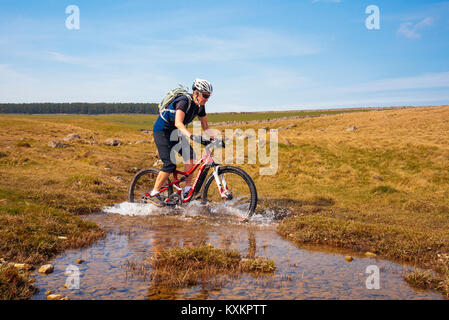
[177,116]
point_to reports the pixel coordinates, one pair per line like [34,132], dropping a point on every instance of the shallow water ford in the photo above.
[136,231]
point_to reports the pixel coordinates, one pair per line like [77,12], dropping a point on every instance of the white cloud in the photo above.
[425,81]
[415,90]
[59,57]
[18,87]
[411,30]
[230,45]
[283,89]
[7,73]
[255,89]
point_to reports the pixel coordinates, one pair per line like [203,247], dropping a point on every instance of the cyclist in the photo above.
[163,129]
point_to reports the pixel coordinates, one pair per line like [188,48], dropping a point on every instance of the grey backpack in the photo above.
[170,97]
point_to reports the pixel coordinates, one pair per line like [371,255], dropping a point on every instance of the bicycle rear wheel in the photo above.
[143,183]
[241,194]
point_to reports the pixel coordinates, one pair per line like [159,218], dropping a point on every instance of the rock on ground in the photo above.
[23,266]
[57,144]
[56,297]
[112,142]
[117,179]
[370,254]
[71,137]
[46,269]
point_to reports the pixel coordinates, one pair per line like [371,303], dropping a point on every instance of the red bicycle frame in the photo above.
[206,160]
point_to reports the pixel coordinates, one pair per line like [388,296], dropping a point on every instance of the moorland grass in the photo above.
[383,187]
[33,233]
[14,285]
[388,180]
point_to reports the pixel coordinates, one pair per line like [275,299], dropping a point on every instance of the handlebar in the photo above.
[208,143]
[215,144]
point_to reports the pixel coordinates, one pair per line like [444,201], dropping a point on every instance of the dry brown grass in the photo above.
[14,285]
[33,233]
[382,188]
[73,178]
[388,180]
[29,232]
[203,265]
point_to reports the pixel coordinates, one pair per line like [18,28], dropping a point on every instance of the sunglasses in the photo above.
[205,95]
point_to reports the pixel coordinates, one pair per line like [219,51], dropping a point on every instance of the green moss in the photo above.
[383,190]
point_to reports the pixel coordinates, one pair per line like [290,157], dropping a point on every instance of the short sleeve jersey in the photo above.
[182,104]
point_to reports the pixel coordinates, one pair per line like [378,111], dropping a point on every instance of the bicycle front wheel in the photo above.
[239,192]
[143,183]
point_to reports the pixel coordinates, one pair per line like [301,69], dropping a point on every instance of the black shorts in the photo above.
[166,148]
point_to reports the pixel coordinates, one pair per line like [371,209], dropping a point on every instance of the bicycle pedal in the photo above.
[170,203]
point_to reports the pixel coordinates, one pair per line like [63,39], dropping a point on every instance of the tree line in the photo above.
[79,108]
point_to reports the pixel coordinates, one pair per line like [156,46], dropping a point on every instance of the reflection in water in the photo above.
[300,273]
[251,245]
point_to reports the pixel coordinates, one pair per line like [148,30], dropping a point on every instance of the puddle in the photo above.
[136,231]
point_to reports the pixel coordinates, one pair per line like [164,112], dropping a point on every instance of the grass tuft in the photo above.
[198,265]
[422,280]
[14,285]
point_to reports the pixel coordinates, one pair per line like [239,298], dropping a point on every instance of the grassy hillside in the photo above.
[381,188]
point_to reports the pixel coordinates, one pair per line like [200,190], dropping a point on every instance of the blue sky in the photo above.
[259,55]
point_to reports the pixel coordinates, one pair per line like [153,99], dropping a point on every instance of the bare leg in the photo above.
[187,167]
[160,180]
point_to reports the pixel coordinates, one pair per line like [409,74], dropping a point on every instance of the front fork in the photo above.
[221,184]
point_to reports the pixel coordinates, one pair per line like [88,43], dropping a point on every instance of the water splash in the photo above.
[194,209]
[136,209]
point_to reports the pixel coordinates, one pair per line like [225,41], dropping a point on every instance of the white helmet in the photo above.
[202,86]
